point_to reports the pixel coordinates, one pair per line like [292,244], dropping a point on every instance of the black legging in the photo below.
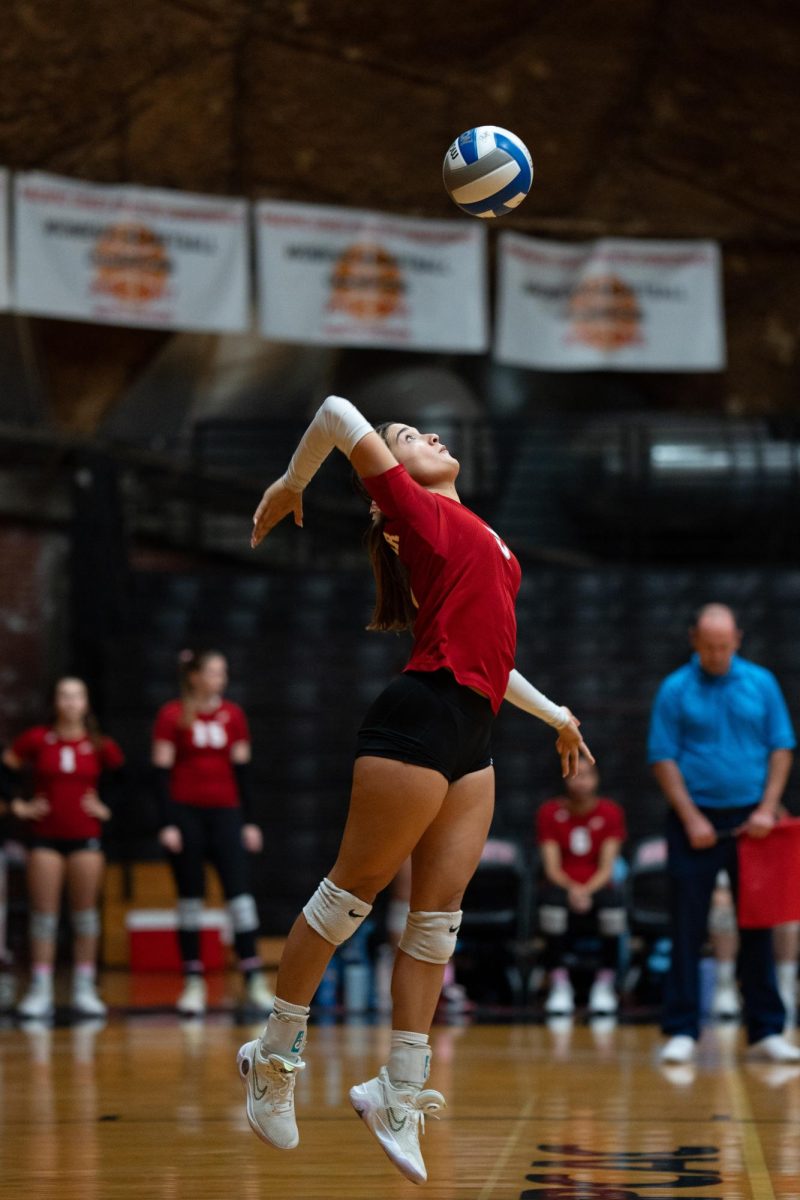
[214,835]
[559,925]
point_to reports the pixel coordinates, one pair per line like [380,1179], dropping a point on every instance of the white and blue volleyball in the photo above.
[487,171]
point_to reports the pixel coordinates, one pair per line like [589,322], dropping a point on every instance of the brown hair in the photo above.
[394,609]
[91,724]
[190,661]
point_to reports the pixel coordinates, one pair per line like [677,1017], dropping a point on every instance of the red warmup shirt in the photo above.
[464,580]
[63,772]
[203,774]
[580,837]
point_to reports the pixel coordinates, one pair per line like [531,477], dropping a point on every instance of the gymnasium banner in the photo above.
[124,255]
[347,277]
[614,304]
[5,290]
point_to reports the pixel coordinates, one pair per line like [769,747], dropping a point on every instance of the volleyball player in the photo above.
[423,782]
[65,816]
[201,755]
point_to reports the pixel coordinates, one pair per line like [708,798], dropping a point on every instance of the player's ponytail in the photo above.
[394,610]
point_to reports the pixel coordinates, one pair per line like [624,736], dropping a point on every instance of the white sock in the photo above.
[42,973]
[409,1059]
[285,1031]
[84,972]
[787,977]
[725,972]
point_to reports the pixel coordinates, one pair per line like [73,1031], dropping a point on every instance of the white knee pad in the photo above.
[43,926]
[85,922]
[243,913]
[190,914]
[431,936]
[612,921]
[553,920]
[334,913]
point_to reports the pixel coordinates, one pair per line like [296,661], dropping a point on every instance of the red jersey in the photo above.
[464,581]
[203,773]
[64,770]
[580,837]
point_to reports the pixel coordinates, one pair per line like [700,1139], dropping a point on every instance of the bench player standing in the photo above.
[65,816]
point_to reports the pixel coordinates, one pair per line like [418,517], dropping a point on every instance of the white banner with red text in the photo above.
[340,276]
[615,304]
[130,256]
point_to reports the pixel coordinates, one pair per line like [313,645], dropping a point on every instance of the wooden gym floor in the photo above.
[147,1106]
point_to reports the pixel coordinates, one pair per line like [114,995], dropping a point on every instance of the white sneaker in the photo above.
[776,1048]
[679,1049]
[258,994]
[395,1118]
[269,1088]
[725,1001]
[85,999]
[192,1000]
[37,1004]
[602,997]
[561,999]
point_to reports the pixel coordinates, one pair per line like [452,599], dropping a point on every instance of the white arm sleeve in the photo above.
[525,696]
[336,424]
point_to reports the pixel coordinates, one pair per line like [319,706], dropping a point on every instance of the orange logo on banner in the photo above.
[605,313]
[367,283]
[131,263]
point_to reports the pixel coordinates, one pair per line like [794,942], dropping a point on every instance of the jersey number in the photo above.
[503,547]
[66,761]
[209,735]
[580,841]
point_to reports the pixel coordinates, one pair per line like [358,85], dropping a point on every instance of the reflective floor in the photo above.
[146,1105]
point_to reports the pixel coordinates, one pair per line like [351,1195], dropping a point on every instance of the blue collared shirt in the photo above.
[720,730]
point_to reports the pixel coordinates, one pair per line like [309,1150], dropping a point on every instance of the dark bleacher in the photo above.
[304,669]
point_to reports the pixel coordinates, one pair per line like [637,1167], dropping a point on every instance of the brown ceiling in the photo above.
[644,117]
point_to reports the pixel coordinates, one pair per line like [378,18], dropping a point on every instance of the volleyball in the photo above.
[487,171]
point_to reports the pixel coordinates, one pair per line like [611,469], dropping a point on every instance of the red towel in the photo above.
[769,876]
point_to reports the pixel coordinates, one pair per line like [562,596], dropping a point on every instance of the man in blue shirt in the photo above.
[720,747]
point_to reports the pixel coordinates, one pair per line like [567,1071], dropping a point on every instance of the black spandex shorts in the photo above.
[429,719]
[65,846]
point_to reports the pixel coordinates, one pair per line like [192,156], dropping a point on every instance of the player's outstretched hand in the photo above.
[570,746]
[276,503]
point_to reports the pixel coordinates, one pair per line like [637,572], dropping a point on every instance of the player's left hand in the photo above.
[276,503]
[570,746]
[93,806]
[760,823]
[252,839]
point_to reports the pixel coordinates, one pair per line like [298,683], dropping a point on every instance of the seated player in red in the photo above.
[580,835]
[65,815]
[201,755]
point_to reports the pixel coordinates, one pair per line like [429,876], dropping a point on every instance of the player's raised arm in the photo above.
[338,425]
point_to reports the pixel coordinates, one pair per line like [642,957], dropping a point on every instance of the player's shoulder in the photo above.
[609,807]
[755,671]
[676,681]
[171,711]
[548,809]
[36,735]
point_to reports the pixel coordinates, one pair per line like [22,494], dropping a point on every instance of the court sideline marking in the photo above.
[752,1151]
[507,1151]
